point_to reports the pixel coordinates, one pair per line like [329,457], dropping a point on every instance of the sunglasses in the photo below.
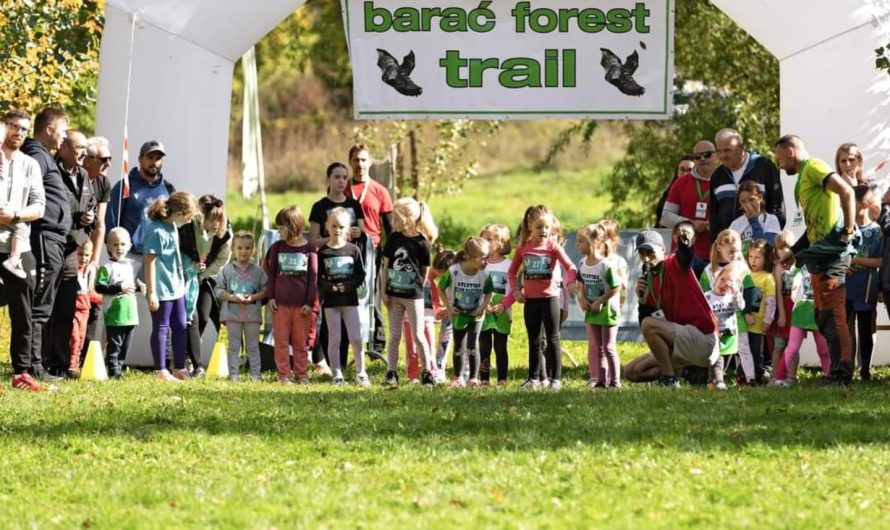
[684,169]
[703,155]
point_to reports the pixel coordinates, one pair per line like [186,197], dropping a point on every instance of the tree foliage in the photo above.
[50,55]
[723,78]
[882,58]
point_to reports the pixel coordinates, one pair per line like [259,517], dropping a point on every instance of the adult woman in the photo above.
[337,180]
[848,163]
[684,166]
[206,244]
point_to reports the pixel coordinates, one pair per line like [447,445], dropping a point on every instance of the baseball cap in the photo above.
[649,239]
[152,146]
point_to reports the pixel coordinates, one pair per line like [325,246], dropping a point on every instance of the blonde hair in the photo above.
[474,247]
[179,202]
[784,239]
[501,236]
[244,234]
[853,149]
[613,231]
[725,237]
[597,235]
[87,246]
[410,213]
[291,218]
[118,232]
[735,269]
[340,213]
[212,210]
[532,214]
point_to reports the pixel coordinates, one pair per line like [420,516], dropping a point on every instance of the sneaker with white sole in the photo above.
[26,382]
[530,384]
[165,375]
[362,380]
[338,380]
[391,379]
[14,266]
[182,374]
[555,384]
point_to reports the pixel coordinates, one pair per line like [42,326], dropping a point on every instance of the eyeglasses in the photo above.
[703,155]
[103,159]
[15,127]
[683,169]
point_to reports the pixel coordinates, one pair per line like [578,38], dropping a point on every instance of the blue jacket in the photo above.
[133,210]
[724,202]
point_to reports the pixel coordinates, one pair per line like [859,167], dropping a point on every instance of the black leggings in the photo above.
[206,311]
[486,338]
[863,330]
[542,315]
[465,343]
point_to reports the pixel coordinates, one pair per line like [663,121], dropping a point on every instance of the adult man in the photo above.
[829,212]
[83,212]
[737,166]
[129,203]
[49,233]
[21,190]
[688,201]
[96,163]
[377,208]
[675,317]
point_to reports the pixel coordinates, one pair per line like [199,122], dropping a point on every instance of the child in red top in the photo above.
[537,254]
[292,269]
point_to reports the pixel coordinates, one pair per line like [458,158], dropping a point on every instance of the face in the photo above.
[651,257]
[16,132]
[118,246]
[750,203]
[338,227]
[705,161]
[729,152]
[685,167]
[361,164]
[84,255]
[724,284]
[728,251]
[74,150]
[58,131]
[150,164]
[282,231]
[98,164]
[755,259]
[785,156]
[243,249]
[212,225]
[848,164]
[582,245]
[338,179]
[541,228]
[180,218]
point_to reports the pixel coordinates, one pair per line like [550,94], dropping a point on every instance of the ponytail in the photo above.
[425,224]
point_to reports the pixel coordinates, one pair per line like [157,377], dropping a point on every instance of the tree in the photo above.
[51,55]
[723,78]
[882,58]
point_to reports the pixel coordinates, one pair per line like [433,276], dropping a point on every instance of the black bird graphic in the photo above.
[620,74]
[396,75]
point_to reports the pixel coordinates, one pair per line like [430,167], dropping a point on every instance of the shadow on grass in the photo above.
[495,419]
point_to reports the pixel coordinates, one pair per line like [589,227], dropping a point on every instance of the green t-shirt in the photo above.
[707,277]
[497,281]
[821,208]
[121,309]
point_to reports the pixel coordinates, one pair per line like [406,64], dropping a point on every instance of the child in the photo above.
[496,326]
[726,300]
[341,272]
[86,277]
[763,308]
[727,248]
[862,285]
[406,257]
[754,223]
[165,280]
[613,233]
[537,253]
[433,311]
[241,286]
[783,274]
[598,296]
[116,280]
[803,319]
[465,292]
[292,270]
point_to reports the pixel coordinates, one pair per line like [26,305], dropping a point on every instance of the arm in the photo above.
[358,273]
[381,281]
[98,235]
[780,296]
[775,199]
[36,202]
[685,240]
[223,257]
[312,279]
[104,285]
[111,209]
[567,265]
[671,215]
[272,271]
[153,303]
[222,286]
[315,235]
[836,184]
[386,221]
[871,263]
[770,313]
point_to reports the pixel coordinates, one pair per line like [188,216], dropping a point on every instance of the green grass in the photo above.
[144,454]
[576,197]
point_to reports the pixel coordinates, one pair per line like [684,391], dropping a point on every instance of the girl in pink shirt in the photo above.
[537,255]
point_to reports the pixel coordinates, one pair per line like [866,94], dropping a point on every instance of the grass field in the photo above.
[138,453]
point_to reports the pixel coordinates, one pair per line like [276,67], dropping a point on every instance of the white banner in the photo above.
[514,59]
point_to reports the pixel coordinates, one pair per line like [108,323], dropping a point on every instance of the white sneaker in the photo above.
[165,375]
[14,265]
[362,380]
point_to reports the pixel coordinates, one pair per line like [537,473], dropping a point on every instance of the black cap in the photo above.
[152,146]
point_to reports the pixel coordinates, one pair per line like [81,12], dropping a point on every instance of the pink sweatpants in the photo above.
[602,357]
[788,367]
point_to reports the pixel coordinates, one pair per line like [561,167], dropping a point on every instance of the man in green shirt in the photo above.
[829,211]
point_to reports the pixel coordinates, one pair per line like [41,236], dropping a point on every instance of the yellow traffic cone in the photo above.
[219,361]
[94,364]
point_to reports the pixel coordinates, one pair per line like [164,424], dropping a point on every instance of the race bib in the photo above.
[701,210]
[537,267]
[339,267]
[293,263]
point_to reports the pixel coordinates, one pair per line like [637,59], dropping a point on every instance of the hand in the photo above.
[6,215]
[202,266]
[563,315]
[479,311]
[701,226]
[497,309]
[128,288]
[355,232]
[749,319]
[686,234]
[87,218]
[441,314]
[583,304]
[153,303]
[453,311]
[307,310]
[519,295]
[781,321]
[596,307]
[140,285]
[641,288]
[272,305]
